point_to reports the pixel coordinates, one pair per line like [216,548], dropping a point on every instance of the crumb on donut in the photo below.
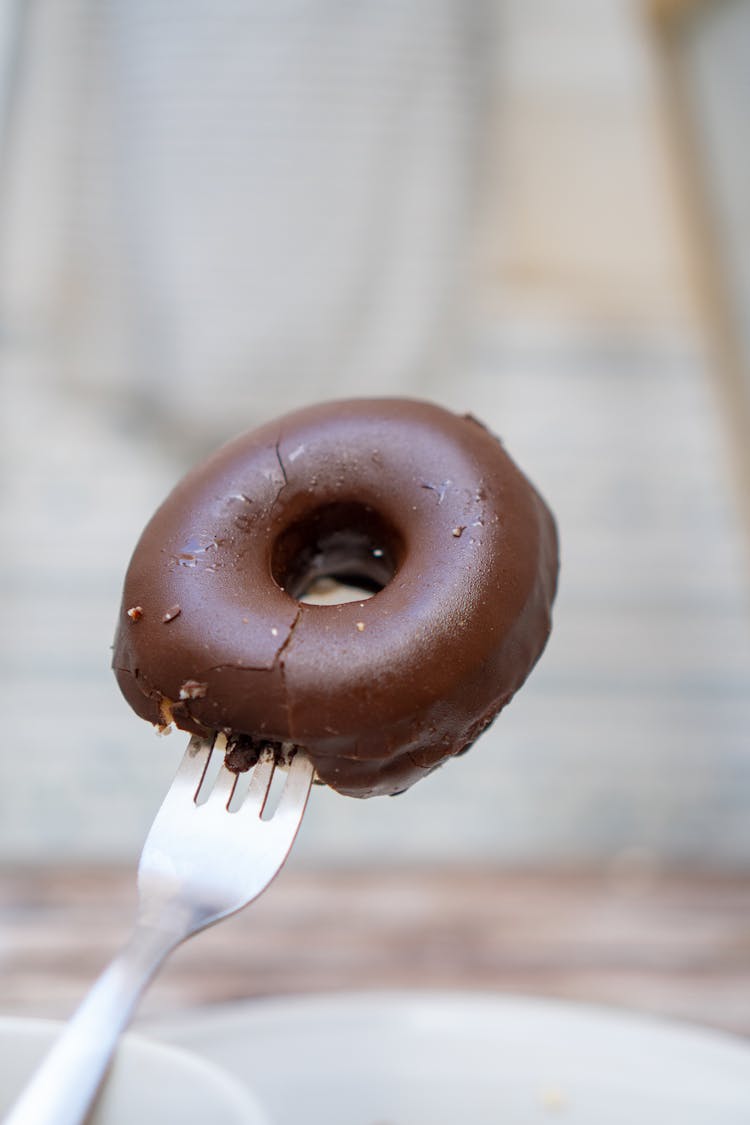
[172,612]
[166,716]
[360,626]
[244,752]
[458,531]
[193,689]
[135,613]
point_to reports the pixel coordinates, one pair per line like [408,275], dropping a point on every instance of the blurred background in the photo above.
[536,212]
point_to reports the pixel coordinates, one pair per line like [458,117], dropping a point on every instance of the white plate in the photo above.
[442,1058]
[149,1083]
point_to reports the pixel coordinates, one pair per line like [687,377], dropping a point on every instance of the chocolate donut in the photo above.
[401,497]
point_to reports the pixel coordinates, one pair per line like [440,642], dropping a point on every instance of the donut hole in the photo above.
[335,554]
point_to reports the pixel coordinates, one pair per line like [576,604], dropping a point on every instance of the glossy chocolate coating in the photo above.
[402,494]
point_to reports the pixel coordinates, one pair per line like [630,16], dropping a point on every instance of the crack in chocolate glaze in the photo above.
[282,672]
[277,662]
[226,666]
[282,466]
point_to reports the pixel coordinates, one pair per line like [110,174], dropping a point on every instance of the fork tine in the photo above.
[192,768]
[260,783]
[224,787]
[297,786]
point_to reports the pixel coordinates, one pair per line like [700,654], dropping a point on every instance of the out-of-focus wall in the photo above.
[582,223]
[216,212]
[212,217]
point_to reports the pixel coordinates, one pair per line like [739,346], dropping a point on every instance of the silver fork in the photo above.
[200,863]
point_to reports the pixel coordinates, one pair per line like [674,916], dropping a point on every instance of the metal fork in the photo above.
[200,863]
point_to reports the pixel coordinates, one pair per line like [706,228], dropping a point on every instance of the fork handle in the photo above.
[63,1087]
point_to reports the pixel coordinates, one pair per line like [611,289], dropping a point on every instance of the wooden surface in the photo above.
[675,945]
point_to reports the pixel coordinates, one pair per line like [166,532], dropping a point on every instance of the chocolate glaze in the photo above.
[398,494]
